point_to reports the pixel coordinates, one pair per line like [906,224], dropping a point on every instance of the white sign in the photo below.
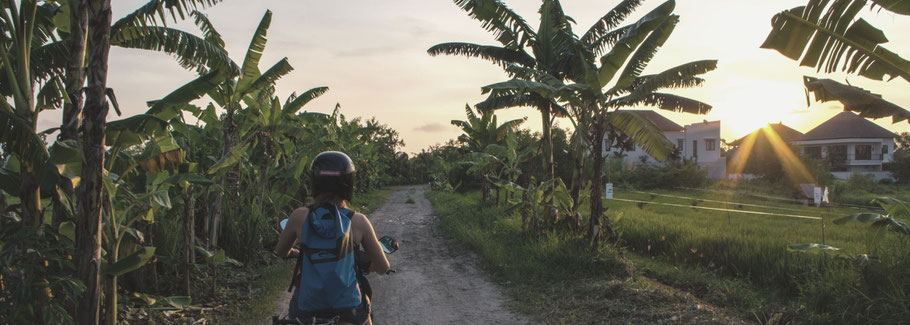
[817,196]
[608,191]
[825,196]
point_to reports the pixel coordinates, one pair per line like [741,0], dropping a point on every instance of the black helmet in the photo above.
[333,172]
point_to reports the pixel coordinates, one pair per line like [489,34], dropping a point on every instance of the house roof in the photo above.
[786,133]
[663,123]
[846,125]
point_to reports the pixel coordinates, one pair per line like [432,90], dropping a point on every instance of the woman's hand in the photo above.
[294,253]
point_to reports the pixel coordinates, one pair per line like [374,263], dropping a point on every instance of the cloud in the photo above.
[431,128]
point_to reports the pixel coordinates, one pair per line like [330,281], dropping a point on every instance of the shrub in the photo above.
[670,175]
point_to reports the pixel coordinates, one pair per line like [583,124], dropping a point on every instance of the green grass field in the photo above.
[736,260]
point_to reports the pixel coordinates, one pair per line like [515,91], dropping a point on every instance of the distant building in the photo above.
[756,152]
[851,144]
[699,142]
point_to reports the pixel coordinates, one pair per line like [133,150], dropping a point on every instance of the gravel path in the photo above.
[435,282]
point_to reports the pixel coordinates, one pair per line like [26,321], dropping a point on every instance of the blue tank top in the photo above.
[328,278]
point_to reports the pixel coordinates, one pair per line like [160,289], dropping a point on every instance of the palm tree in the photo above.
[515,37]
[633,50]
[824,41]
[479,133]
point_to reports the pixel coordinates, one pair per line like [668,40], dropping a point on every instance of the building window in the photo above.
[695,148]
[814,152]
[710,144]
[679,144]
[862,152]
[885,149]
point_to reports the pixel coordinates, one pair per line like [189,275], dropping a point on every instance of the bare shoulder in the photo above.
[298,217]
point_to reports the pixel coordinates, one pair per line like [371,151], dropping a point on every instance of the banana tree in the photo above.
[479,134]
[537,202]
[827,35]
[516,36]
[230,95]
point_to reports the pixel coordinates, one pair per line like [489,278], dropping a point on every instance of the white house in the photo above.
[698,142]
[852,144]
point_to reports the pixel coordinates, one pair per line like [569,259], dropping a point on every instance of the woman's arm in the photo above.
[288,236]
[378,261]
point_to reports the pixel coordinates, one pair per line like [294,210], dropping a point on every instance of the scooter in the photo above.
[362,263]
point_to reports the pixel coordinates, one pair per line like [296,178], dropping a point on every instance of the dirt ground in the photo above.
[435,283]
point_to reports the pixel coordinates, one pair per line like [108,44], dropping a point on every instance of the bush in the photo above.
[670,175]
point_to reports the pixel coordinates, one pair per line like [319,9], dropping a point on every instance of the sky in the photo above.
[372,56]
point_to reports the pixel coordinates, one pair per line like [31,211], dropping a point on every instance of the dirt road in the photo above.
[435,283]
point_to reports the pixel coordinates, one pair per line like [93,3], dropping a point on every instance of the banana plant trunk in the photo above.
[75,78]
[219,200]
[89,199]
[594,231]
[547,143]
[189,256]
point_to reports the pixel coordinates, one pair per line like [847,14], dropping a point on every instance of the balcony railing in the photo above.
[854,157]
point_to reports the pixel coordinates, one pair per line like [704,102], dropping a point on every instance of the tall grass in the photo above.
[755,248]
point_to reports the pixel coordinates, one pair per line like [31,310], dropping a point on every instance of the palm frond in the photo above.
[155,12]
[166,108]
[269,77]
[854,99]
[608,22]
[616,58]
[507,101]
[600,45]
[505,127]
[211,34]
[250,68]
[642,131]
[681,76]
[663,101]
[823,41]
[508,27]
[49,59]
[646,52]
[20,138]
[896,6]
[517,86]
[191,51]
[293,106]
[499,55]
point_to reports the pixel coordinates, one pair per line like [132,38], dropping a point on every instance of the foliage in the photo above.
[822,34]
[672,174]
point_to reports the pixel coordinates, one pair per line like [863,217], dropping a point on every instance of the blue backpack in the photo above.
[328,279]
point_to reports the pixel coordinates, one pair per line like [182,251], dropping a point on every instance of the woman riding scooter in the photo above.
[328,232]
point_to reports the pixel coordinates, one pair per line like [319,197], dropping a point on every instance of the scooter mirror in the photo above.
[284,223]
[389,244]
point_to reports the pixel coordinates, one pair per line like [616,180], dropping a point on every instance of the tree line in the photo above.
[144,206]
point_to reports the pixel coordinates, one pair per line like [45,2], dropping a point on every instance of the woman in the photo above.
[328,232]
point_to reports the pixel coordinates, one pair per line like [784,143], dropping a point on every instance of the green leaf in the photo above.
[864,102]
[133,130]
[191,178]
[813,248]
[896,6]
[824,41]
[67,229]
[206,254]
[859,217]
[616,58]
[231,159]
[131,262]
[160,199]
[148,300]
[219,257]
[181,302]
[250,68]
